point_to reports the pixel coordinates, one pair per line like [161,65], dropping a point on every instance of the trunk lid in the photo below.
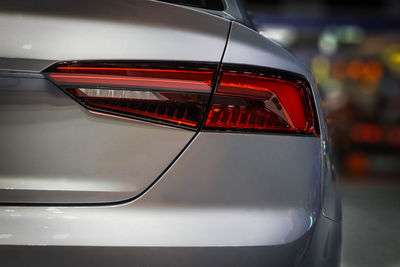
[52,149]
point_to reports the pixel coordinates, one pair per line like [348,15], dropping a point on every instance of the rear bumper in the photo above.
[230,199]
[224,190]
[318,247]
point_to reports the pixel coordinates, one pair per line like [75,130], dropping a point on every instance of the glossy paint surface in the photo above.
[59,152]
[106,29]
[197,202]
[246,46]
[229,199]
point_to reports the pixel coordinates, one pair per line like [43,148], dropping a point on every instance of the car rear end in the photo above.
[148,133]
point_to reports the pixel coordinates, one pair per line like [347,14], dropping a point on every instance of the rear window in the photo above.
[207,4]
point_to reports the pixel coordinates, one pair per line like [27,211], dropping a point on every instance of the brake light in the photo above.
[255,99]
[174,94]
[249,99]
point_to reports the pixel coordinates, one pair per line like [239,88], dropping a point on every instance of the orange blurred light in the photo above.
[357,163]
[355,69]
[373,71]
[339,70]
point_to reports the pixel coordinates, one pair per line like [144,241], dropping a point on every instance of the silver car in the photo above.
[147,133]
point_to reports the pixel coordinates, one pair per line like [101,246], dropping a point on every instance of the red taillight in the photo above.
[261,100]
[174,94]
[245,99]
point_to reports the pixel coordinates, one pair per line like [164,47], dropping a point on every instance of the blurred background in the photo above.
[353,50]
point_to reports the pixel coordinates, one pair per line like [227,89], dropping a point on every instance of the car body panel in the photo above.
[247,46]
[225,199]
[105,29]
[316,248]
[196,202]
[18,66]
[332,204]
[58,151]
[156,256]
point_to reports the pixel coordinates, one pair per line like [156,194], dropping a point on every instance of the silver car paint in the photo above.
[220,200]
[59,152]
[197,202]
[16,66]
[106,29]
[319,248]
[246,46]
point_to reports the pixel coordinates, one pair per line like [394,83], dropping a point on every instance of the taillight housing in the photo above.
[262,100]
[245,98]
[168,93]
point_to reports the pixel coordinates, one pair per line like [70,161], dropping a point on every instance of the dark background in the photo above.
[353,50]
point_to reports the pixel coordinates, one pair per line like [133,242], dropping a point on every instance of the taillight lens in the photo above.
[175,94]
[258,99]
[248,99]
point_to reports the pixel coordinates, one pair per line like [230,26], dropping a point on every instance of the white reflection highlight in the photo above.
[280,33]
[4,236]
[311,222]
[27,46]
[60,236]
[54,210]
